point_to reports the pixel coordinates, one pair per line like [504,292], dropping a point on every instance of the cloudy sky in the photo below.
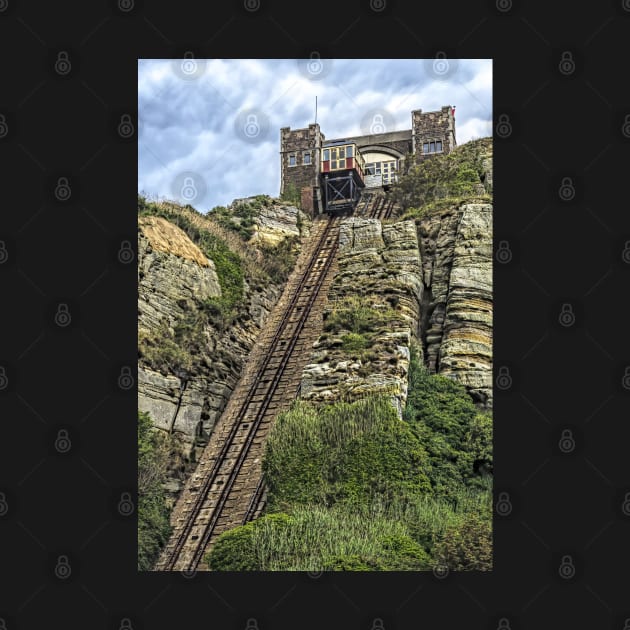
[209,130]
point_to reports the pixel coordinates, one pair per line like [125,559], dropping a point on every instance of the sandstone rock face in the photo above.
[456,322]
[174,277]
[277,222]
[371,317]
[172,272]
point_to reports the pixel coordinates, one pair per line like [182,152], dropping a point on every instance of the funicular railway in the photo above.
[227,488]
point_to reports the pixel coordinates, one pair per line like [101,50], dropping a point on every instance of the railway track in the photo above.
[227,487]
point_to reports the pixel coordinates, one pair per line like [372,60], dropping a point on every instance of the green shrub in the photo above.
[352,313]
[457,437]
[153,515]
[467,545]
[313,538]
[354,342]
[341,453]
[443,180]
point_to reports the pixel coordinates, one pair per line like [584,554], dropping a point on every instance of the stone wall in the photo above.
[437,125]
[299,141]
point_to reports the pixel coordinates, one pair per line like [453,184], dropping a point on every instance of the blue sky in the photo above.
[209,130]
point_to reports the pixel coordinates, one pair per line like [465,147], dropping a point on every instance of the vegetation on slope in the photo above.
[154,452]
[443,181]
[222,240]
[353,487]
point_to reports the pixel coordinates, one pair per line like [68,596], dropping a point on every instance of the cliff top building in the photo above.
[386,154]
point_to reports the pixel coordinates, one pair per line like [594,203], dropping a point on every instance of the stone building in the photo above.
[386,154]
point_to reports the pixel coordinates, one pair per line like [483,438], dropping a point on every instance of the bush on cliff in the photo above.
[153,514]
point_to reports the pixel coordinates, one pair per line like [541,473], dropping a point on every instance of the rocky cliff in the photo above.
[425,281]
[456,325]
[190,358]
[371,317]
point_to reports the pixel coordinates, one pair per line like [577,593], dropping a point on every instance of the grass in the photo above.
[445,180]
[352,487]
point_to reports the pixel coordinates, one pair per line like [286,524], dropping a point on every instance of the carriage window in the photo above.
[369,168]
[306,157]
[292,161]
[326,155]
[349,151]
[333,164]
[342,162]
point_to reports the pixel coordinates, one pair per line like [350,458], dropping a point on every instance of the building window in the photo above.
[326,155]
[306,157]
[292,161]
[434,146]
